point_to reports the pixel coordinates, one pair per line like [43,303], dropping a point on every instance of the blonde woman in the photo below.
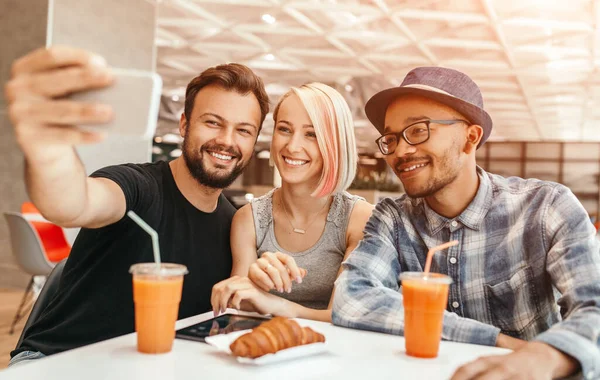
[288,245]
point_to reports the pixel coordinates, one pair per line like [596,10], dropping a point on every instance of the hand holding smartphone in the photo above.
[135,100]
[134,95]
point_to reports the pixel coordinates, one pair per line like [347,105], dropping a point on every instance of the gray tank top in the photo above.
[322,261]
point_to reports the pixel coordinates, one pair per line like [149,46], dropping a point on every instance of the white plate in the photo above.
[223,341]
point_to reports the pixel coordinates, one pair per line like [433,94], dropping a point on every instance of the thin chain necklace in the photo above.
[300,230]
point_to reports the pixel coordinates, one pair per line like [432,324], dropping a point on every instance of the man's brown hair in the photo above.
[233,77]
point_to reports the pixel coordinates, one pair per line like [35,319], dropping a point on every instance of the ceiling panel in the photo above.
[536,61]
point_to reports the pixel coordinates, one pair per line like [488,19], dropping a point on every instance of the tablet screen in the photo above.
[222,324]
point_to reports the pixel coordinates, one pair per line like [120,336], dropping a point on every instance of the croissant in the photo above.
[277,334]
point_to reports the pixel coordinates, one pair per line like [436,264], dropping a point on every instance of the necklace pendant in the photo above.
[299,231]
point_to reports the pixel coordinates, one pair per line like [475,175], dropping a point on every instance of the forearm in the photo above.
[360,303]
[56,183]
[465,330]
[289,309]
[505,341]
[563,365]
[299,311]
[577,337]
[573,264]
[239,267]
[374,308]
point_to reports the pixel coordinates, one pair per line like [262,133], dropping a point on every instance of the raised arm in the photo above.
[367,293]
[44,127]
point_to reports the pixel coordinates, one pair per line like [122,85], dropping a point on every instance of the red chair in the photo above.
[52,236]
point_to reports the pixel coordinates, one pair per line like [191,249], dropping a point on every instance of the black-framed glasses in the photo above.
[414,134]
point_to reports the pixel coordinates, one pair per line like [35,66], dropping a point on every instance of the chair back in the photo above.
[26,246]
[29,208]
[48,291]
[53,237]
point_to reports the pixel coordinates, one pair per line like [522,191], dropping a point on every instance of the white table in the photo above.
[353,354]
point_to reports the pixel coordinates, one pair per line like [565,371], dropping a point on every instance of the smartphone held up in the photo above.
[135,100]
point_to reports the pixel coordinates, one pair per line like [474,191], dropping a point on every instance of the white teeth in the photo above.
[221,156]
[414,167]
[295,162]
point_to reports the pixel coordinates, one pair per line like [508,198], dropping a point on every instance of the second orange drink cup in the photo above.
[425,300]
[156,295]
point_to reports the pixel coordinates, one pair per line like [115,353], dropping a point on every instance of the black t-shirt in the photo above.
[94,300]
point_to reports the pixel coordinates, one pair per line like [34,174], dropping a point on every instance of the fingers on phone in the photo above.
[61,112]
[44,59]
[50,84]
[61,134]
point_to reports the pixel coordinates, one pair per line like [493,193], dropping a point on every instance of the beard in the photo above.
[448,169]
[216,179]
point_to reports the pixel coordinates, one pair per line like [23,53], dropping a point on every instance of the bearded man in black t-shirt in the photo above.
[225,107]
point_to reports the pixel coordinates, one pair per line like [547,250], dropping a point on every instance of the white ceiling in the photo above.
[536,61]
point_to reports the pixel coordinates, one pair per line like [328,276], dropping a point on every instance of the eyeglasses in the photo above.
[415,134]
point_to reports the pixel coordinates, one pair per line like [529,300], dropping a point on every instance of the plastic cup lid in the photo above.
[165,269]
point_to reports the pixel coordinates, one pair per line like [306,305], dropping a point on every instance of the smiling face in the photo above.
[219,139]
[427,168]
[294,147]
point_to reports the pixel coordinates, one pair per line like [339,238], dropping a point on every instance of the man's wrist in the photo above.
[46,155]
[500,341]
[505,341]
[563,365]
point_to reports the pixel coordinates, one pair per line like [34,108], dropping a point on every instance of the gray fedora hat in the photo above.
[447,86]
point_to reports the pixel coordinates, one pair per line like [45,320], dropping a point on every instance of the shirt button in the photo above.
[453,260]
[454,223]
[455,305]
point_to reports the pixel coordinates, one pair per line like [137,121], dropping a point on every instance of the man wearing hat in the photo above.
[527,266]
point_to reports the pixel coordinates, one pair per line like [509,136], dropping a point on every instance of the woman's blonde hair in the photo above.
[334,128]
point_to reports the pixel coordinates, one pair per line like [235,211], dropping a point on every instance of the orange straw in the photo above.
[434,250]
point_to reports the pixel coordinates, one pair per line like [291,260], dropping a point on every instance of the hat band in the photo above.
[429,88]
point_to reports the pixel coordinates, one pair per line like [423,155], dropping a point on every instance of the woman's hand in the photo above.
[275,270]
[241,293]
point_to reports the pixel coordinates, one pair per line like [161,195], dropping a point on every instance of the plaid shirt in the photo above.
[527,265]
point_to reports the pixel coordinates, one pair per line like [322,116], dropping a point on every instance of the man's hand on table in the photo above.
[534,360]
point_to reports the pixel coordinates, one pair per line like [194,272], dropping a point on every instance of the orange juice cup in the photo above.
[425,300]
[156,295]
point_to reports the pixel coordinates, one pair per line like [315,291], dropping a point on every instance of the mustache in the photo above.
[408,160]
[211,145]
